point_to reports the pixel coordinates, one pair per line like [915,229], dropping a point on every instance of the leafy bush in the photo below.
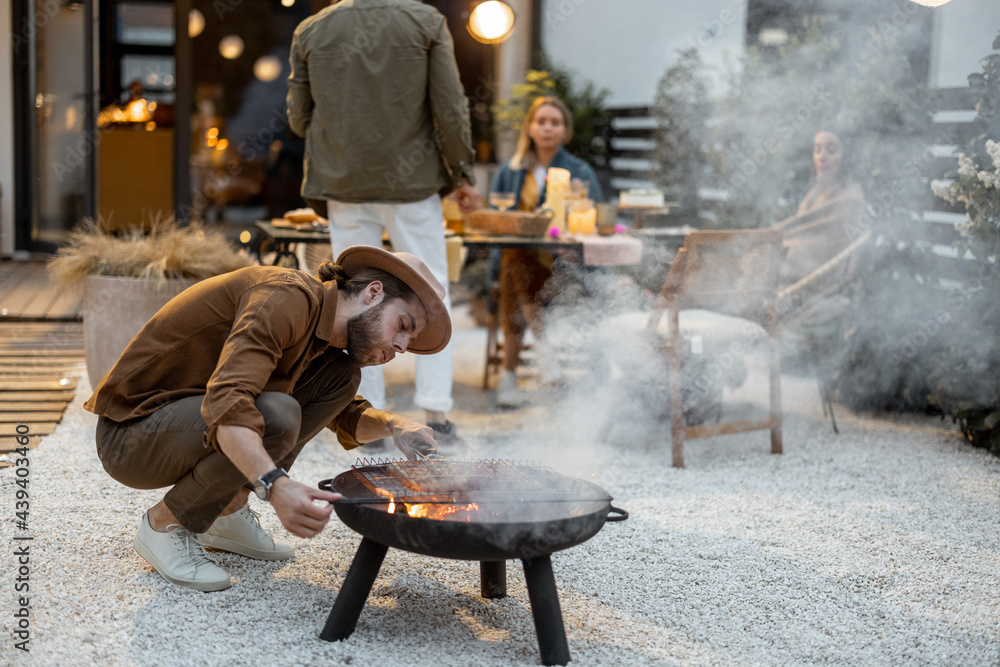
[938,351]
[965,384]
[682,109]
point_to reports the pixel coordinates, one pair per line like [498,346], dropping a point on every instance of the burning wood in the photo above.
[435,511]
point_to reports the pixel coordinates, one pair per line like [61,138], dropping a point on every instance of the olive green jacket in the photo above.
[375,90]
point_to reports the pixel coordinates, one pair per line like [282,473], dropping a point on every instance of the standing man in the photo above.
[375,90]
[223,387]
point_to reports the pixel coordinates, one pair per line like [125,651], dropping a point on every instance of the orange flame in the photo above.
[435,511]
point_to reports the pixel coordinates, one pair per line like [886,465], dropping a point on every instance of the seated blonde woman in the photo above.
[548,125]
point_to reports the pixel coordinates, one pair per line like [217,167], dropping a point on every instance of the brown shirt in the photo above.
[230,338]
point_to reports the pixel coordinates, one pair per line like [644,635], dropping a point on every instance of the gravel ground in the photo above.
[878,546]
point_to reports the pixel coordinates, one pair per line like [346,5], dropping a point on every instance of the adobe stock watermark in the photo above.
[22,539]
[713,29]
[366,37]
[893,25]
[561,12]
[223,7]
[261,141]
[819,98]
[45,11]
[423,149]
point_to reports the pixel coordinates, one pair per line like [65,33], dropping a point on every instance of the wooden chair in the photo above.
[494,345]
[734,272]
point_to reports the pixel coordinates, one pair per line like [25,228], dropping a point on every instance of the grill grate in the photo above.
[400,479]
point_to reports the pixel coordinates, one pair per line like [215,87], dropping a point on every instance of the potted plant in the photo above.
[127,277]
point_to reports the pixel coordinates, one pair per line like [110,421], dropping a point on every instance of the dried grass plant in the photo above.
[166,251]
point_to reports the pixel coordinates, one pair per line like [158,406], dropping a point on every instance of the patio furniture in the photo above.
[733,273]
[592,251]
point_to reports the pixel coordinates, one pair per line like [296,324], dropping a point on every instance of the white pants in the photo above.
[416,228]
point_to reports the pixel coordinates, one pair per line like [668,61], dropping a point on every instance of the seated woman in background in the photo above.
[548,125]
[820,228]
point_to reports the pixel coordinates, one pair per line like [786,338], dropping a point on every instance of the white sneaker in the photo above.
[507,394]
[178,557]
[240,533]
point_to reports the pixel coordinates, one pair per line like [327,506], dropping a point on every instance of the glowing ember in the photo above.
[442,511]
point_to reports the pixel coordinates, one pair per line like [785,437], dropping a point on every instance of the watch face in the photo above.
[262,487]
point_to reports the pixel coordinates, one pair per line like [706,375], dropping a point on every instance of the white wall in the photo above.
[964,31]
[627,45]
[6,136]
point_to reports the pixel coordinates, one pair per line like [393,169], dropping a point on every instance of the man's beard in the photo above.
[363,333]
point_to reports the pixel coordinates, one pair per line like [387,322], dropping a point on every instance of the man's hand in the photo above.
[467,196]
[405,433]
[411,436]
[293,503]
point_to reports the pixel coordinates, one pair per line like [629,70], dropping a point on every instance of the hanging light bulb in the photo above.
[196,23]
[491,22]
[930,3]
[231,47]
[267,68]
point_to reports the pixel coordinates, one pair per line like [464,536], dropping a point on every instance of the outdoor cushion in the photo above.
[716,330]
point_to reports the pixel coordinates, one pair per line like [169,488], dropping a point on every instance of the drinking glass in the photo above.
[502,200]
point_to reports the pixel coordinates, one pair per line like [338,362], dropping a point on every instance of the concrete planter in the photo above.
[114,309]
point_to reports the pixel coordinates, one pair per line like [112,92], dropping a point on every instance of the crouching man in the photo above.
[226,383]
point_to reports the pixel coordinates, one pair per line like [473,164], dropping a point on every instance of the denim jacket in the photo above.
[511,180]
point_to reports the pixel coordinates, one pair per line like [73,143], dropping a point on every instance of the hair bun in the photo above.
[331,271]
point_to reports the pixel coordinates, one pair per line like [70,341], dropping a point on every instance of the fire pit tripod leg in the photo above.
[493,578]
[354,591]
[545,610]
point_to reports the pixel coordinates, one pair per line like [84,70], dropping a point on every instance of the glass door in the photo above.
[136,121]
[60,121]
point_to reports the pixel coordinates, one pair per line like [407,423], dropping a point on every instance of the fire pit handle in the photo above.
[621,514]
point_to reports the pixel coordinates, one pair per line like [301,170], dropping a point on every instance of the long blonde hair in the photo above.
[525,157]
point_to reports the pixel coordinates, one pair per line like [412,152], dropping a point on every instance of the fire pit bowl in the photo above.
[490,511]
[493,524]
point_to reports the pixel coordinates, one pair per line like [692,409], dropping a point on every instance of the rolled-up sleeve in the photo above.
[345,425]
[264,326]
[299,101]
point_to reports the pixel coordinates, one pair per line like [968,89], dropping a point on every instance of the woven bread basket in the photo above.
[509,223]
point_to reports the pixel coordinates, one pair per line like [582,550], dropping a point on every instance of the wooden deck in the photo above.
[41,353]
[27,295]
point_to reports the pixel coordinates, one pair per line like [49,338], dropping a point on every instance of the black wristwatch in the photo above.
[262,487]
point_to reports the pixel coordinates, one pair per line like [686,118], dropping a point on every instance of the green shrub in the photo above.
[682,109]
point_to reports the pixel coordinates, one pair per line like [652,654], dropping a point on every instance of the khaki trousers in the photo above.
[167,448]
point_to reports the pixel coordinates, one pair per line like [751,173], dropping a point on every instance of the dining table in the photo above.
[592,251]
[281,238]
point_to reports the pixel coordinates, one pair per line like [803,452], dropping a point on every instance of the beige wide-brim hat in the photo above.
[415,275]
